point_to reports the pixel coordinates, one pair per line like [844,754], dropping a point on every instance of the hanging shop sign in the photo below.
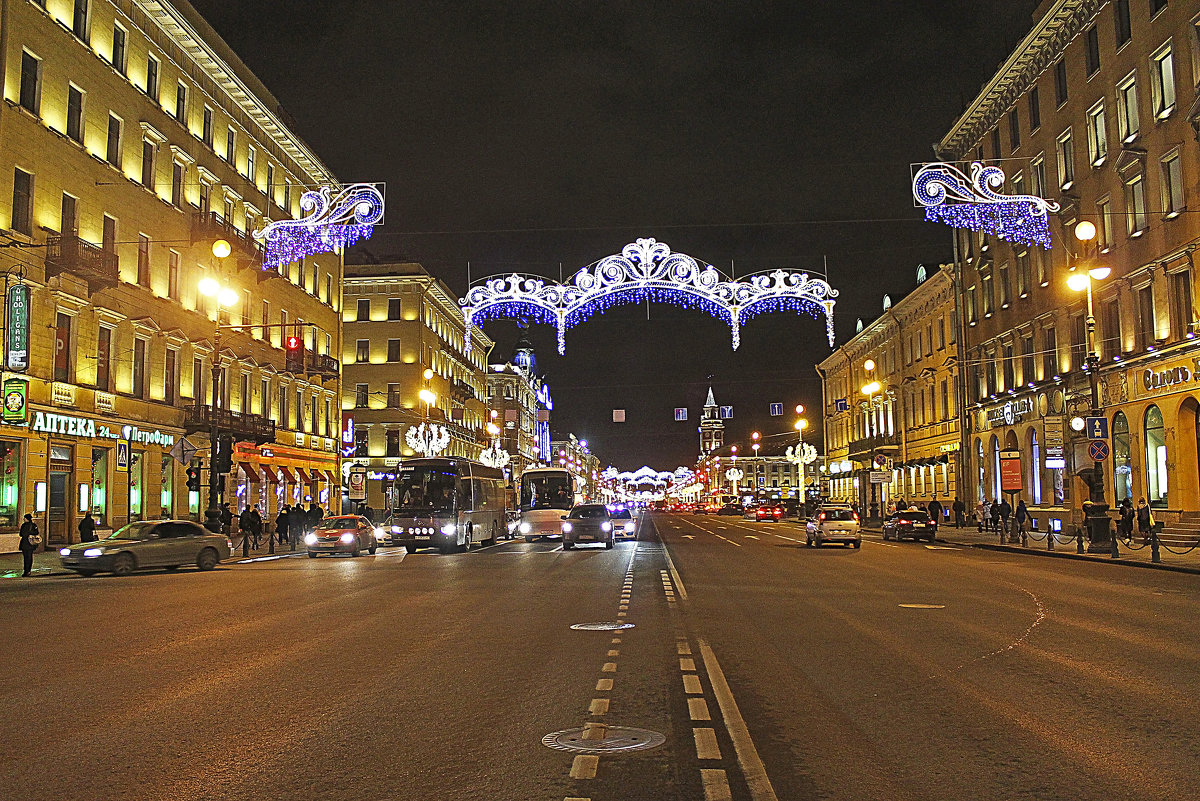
[16,395]
[16,344]
[72,426]
[1010,412]
[1056,458]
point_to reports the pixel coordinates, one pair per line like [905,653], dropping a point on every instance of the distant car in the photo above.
[768,512]
[730,509]
[588,522]
[148,543]
[913,524]
[700,509]
[350,534]
[624,525]
[834,525]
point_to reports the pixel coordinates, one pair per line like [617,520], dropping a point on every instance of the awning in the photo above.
[287,476]
[250,472]
[330,477]
[302,475]
[271,476]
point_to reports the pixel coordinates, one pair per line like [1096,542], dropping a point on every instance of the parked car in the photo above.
[834,525]
[914,524]
[587,522]
[170,544]
[350,534]
[768,512]
[624,526]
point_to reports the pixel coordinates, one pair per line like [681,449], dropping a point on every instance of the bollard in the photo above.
[1115,553]
[1050,540]
[245,545]
[292,541]
[1002,532]
[1024,538]
[1154,554]
[1079,540]
[271,543]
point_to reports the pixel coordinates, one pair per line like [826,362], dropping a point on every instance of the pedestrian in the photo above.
[1005,513]
[960,512]
[1022,515]
[996,516]
[1145,520]
[226,519]
[314,515]
[256,525]
[244,522]
[281,525]
[935,511]
[1125,521]
[297,522]
[31,539]
[981,515]
[87,528]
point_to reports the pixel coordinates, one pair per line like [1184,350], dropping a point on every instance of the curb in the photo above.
[985,546]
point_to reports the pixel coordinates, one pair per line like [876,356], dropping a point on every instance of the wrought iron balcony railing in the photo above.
[242,426]
[67,253]
[878,443]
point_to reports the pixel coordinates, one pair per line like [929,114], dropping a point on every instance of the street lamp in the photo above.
[871,388]
[426,394]
[800,425]
[226,296]
[1096,509]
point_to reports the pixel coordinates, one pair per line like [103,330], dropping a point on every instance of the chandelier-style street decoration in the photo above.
[646,475]
[952,197]
[331,223]
[495,456]
[734,474]
[802,455]
[427,439]
[647,270]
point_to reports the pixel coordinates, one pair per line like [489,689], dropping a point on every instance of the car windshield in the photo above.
[839,514]
[621,514]
[588,513]
[546,491]
[338,523]
[134,531]
[426,489]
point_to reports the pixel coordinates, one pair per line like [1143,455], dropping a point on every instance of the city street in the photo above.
[895,671]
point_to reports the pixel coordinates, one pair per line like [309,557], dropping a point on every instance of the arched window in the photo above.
[996,493]
[980,485]
[1156,458]
[1035,467]
[1122,469]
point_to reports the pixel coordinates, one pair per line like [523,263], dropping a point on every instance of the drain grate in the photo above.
[601,626]
[617,738]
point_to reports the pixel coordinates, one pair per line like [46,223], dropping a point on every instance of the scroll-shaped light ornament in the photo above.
[427,439]
[734,474]
[805,454]
[495,456]
[331,223]
[959,200]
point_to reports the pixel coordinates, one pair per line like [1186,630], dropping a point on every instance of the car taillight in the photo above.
[822,517]
[854,515]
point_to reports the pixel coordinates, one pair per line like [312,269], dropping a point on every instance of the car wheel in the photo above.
[529,539]
[374,546]
[357,549]
[857,545]
[124,564]
[808,542]
[312,555]
[467,542]
[568,545]
[207,559]
[86,573]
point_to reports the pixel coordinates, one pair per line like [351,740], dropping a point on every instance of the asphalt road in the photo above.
[771,671]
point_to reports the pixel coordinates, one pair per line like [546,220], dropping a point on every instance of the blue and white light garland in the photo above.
[647,270]
[952,197]
[332,223]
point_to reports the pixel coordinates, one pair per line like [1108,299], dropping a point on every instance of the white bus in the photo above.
[547,493]
[446,503]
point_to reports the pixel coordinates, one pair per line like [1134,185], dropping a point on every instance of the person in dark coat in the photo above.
[245,526]
[256,524]
[1145,520]
[87,528]
[1125,520]
[29,530]
[314,515]
[281,525]
[960,512]
[996,516]
[1022,515]
[935,510]
[226,519]
[297,522]
[1005,513]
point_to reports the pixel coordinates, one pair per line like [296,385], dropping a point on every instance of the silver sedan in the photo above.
[148,543]
[588,522]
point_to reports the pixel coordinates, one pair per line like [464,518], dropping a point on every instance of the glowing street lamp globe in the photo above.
[427,396]
[208,287]
[1085,231]
[221,248]
[227,297]
[1078,281]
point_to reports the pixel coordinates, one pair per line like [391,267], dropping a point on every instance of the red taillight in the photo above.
[853,514]
[822,516]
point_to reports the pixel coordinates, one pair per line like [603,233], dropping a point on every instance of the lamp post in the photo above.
[800,425]
[1096,509]
[227,297]
[870,389]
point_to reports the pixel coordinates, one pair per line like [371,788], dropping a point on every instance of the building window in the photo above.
[206,132]
[1035,110]
[79,19]
[1035,465]
[393,309]
[112,152]
[139,368]
[1027,366]
[264,397]
[251,166]
[360,396]
[31,82]
[1014,129]
[230,144]
[1157,6]
[989,296]
[1156,458]
[1060,83]
[1128,122]
[393,350]
[181,102]
[75,113]
[1122,468]
[1024,276]
[104,358]
[152,72]
[170,379]
[69,216]
[1037,175]
[1162,86]
[1135,205]
[1092,50]
[393,396]
[328,418]
[393,443]
[329,290]
[148,164]
[270,181]
[120,43]
[1097,135]
[1005,287]
[1010,378]
[972,306]
[108,238]
[1172,185]
[1183,315]
[360,442]
[247,305]
[1104,229]
[314,421]
[265,332]
[1078,342]
[62,348]
[1049,353]
[143,260]
[363,309]
[173,275]
[283,406]
[22,212]
[363,350]
[313,288]
[1065,148]
[177,171]
[1121,21]
[996,151]
[1147,325]
[1111,342]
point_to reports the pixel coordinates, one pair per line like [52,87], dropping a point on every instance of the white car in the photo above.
[834,524]
[623,523]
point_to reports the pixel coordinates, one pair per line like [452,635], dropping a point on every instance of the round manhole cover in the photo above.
[601,626]
[616,738]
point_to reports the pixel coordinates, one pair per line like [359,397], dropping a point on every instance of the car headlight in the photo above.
[397,530]
[629,526]
[448,529]
[526,528]
[566,527]
[93,552]
[606,526]
[64,551]
[347,538]
[310,539]
[380,532]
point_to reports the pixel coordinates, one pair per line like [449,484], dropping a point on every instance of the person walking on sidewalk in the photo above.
[1145,520]
[30,540]
[281,525]
[1005,513]
[960,512]
[256,526]
[244,525]
[981,515]
[996,516]
[1125,519]
[1022,516]
[87,528]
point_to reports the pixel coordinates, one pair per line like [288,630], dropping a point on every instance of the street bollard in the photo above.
[1112,541]
[292,541]
[1154,554]
[271,543]
[1079,540]
[1024,539]
[245,545]
[1050,540]
[1002,532]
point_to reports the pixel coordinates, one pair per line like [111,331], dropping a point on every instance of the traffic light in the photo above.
[193,479]
[293,347]
[223,462]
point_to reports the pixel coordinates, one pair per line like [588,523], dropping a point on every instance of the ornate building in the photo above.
[521,402]
[712,427]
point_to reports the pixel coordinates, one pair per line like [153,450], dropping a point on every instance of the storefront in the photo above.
[269,477]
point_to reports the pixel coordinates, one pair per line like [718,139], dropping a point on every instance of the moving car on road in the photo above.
[731,509]
[588,522]
[768,512]
[837,524]
[914,523]
[148,543]
[350,534]
[624,526]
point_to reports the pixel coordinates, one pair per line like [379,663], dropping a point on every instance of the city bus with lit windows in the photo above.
[446,503]
[545,495]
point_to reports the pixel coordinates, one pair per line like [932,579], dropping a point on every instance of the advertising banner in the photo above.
[16,345]
[1010,471]
[16,393]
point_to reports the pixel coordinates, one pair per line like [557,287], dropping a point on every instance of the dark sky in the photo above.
[524,136]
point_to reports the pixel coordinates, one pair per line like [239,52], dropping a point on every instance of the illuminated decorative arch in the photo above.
[647,270]
[331,223]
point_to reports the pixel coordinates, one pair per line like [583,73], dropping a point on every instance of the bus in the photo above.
[546,494]
[449,504]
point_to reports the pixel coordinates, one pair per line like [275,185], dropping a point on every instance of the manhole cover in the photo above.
[601,626]
[617,738]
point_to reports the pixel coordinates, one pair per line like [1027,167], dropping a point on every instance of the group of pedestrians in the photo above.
[1128,517]
[296,521]
[995,516]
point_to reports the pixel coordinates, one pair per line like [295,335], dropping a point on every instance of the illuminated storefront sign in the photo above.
[1009,412]
[16,344]
[73,426]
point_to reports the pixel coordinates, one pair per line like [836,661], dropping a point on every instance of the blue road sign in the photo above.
[1098,450]
[725,413]
[841,405]
[777,410]
[680,413]
[1096,427]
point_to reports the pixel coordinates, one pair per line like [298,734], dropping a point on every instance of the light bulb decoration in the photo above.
[805,454]
[427,439]
[331,223]
[734,474]
[950,196]
[495,456]
[647,270]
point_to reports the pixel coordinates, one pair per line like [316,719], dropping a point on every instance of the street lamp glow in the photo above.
[221,248]
[871,388]
[227,297]
[755,435]
[428,374]
[800,408]
[1100,273]
[493,429]
[800,424]
[1078,281]
[427,396]
[868,365]
[1085,231]
[208,287]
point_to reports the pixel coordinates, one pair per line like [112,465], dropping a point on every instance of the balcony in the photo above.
[322,364]
[881,443]
[250,427]
[208,226]
[461,390]
[70,254]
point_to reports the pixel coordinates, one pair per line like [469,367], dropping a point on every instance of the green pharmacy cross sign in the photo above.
[16,344]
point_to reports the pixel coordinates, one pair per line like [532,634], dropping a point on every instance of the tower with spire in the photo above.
[712,429]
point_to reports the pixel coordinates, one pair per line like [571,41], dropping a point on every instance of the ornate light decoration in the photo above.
[331,223]
[647,270]
[495,456]
[950,196]
[734,474]
[427,439]
[805,454]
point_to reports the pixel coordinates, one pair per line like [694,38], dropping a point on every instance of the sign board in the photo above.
[122,455]
[358,483]
[618,415]
[1056,458]
[882,461]
[725,413]
[841,405]
[777,410]
[16,341]
[16,394]
[880,477]
[1096,427]
[1010,471]
[1098,449]
[680,413]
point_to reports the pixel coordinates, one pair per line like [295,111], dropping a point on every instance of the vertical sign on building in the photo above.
[1055,457]
[16,346]
[680,414]
[1010,471]
[16,392]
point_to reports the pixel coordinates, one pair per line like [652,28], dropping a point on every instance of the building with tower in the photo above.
[520,402]
[712,428]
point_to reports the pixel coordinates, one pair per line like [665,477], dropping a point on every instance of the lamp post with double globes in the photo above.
[800,425]
[1096,509]
[227,297]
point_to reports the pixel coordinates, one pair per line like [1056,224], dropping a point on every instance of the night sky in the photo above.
[535,137]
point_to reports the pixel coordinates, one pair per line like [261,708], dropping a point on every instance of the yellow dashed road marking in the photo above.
[683,648]
[698,709]
[687,663]
[604,685]
[599,706]
[584,766]
[691,684]
[716,785]
[609,667]
[613,652]
[706,744]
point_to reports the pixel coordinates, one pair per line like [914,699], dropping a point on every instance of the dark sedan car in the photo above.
[148,543]
[731,509]
[912,524]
